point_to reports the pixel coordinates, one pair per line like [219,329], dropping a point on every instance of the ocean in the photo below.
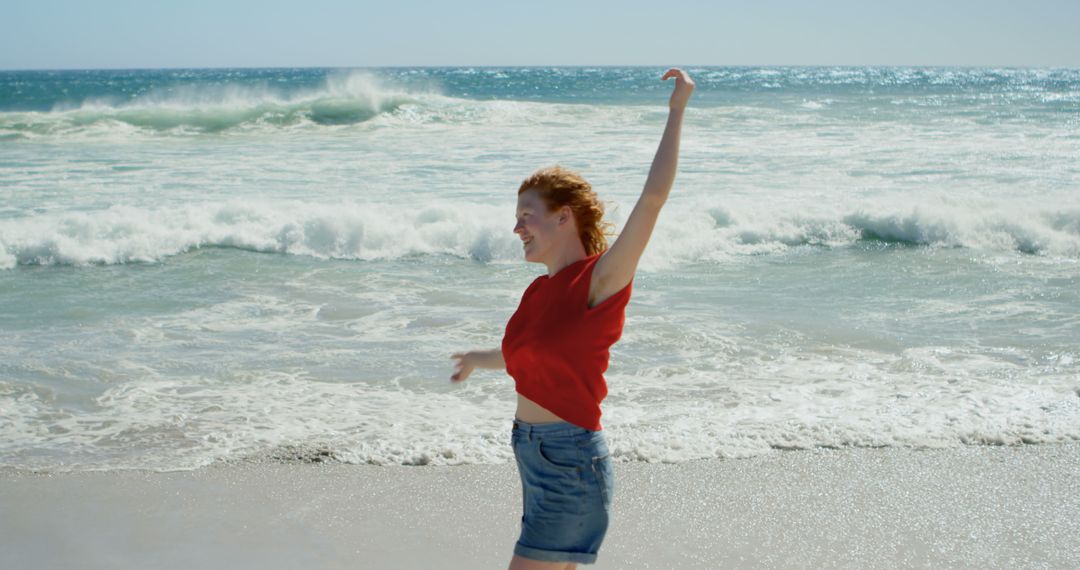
[230,265]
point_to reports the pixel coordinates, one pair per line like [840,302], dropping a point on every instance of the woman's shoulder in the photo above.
[535,284]
[583,268]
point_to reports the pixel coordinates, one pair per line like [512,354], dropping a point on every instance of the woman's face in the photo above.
[538,228]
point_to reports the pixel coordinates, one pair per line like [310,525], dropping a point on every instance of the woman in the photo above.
[556,349]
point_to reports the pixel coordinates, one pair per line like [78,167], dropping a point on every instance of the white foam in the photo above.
[344,98]
[351,230]
[170,424]
[425,175]
[933,397]
[816,105]
[706,231]
[7,260]
[1023,229]
[125,234]
[925,398]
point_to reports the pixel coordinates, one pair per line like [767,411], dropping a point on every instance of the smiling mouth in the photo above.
[526,242]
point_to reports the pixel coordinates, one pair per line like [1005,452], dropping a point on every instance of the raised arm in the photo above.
[616,267]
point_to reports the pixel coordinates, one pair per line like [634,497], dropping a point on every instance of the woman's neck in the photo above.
[566,256]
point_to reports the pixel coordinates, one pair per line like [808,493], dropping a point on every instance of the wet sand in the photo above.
[972,507]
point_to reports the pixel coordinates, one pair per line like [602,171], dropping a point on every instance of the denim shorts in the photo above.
[566,485]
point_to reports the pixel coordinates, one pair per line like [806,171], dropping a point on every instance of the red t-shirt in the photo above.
[556,348]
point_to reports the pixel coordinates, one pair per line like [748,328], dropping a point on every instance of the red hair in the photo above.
[560,187]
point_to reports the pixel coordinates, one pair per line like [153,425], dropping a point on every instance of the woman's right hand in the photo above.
[466,363]
[469,361]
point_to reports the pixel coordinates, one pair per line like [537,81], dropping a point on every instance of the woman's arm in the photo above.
[468,361]
[616,267]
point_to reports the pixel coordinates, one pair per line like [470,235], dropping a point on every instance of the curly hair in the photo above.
[560,187]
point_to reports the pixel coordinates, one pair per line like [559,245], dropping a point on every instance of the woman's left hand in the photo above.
[684,87]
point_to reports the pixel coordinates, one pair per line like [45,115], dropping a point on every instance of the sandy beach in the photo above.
[972,507]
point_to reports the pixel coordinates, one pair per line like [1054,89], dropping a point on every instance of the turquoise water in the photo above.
[214,265]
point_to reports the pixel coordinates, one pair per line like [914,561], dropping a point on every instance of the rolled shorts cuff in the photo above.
[554,555]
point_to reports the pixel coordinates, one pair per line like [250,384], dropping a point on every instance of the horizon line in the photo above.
[541,66]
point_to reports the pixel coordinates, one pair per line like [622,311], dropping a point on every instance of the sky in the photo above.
[78,34]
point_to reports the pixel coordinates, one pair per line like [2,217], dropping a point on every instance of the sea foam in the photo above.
[125,234]
[358,231]
[343,99]
[924,398]
[850,257]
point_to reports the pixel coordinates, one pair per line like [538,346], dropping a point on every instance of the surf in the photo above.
[212,107]
[352,230]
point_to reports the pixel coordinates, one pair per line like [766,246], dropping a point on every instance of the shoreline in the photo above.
[968,507]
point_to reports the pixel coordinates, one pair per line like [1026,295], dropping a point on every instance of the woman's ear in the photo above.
[565,214]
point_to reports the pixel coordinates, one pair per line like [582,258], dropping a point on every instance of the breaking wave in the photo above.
[128,234]
[343,99]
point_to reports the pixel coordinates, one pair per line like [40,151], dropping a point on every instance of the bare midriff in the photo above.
[533,413]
